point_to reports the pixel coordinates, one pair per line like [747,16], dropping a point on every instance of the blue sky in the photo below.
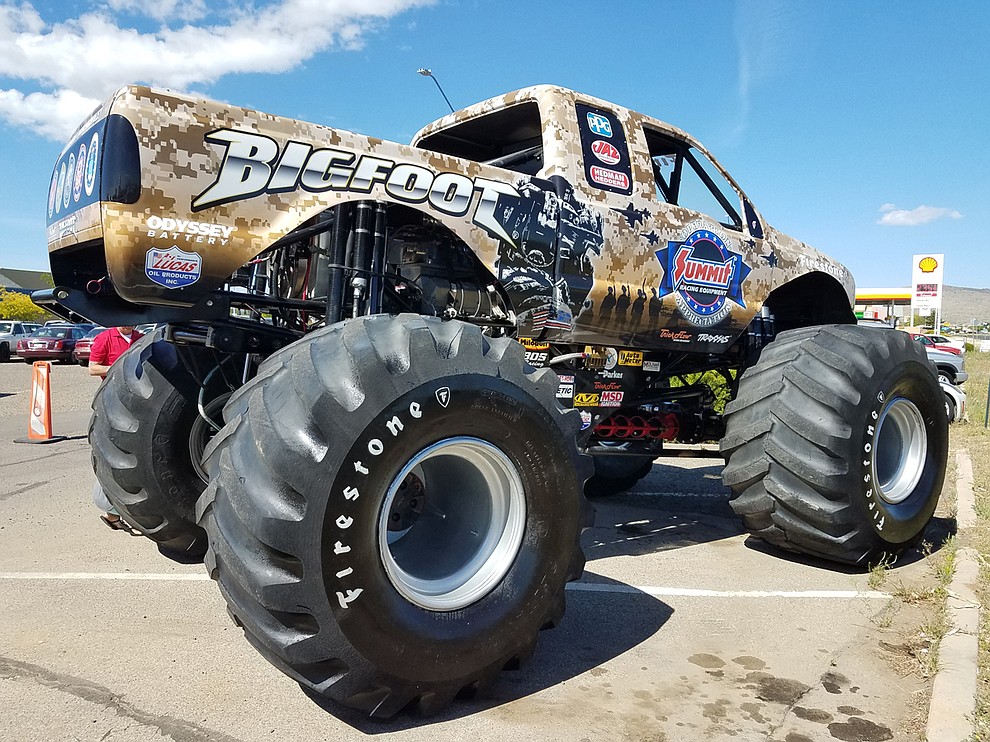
[858,127]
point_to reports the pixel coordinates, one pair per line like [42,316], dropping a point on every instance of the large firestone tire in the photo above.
[615,474]
[836,443]
[146,435]
[394,510]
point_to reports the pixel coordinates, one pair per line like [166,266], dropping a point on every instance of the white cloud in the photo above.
[894,217]
[79,61]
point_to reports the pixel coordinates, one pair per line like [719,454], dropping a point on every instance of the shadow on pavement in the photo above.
[670,508]
[596,628]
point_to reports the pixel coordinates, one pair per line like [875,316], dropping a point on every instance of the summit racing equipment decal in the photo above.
[253,165]
[704,275]
[173,268]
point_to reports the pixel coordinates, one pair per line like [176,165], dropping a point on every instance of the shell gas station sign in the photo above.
[926,283]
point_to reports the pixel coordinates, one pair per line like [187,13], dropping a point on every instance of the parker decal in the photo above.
[173,268]
[254,164]
[704,275]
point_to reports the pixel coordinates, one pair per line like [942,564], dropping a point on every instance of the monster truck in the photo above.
[386,371]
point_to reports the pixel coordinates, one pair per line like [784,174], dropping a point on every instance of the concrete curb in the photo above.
[953,703]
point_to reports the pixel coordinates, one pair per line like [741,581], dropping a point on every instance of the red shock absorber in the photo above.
[664,427]
[624,427]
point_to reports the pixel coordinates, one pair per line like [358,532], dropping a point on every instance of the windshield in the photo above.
[6,327]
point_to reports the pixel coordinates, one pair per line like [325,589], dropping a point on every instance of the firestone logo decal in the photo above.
[173,268]
[254,165]
[704,275]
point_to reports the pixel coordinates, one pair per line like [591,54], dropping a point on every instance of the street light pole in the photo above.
[429,73]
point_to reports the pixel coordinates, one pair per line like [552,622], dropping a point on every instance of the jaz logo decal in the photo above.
[173,268]
[704,276]
[254,164]
[605,152]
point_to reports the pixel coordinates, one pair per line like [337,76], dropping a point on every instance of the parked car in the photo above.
[51,343]
[81,352]
[10,332]
[955,401]
[929,342]
[950,366]
[960,345]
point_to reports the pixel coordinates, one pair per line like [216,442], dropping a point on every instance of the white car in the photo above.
[955,401]
[10,332]
[959,345]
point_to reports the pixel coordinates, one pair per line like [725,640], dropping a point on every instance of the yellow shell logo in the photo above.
[928,264]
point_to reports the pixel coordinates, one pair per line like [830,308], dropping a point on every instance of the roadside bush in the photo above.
[713,380]
[14,305]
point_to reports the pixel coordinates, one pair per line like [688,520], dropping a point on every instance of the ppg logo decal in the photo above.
[599,124]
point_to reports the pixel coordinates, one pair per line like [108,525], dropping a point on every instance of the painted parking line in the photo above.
[590,587]
[690,592]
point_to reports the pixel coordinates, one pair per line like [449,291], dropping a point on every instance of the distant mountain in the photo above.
[960,305]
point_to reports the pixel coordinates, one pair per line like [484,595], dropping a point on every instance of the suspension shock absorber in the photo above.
[378,260]
[363,243]
[338,254]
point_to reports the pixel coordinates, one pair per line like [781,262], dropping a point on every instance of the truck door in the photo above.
[710,243]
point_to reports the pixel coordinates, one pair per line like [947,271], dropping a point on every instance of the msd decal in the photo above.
[173,268]
[704,275]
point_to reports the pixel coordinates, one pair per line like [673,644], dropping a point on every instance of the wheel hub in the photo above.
[901,449]
[452,523]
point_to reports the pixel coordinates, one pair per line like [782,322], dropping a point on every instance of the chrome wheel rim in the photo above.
[452,523]
[901,447]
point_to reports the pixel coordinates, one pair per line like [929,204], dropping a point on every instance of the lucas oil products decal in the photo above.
[703,274]
[173,268]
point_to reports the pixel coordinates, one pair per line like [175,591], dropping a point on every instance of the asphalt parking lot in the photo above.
[681,629]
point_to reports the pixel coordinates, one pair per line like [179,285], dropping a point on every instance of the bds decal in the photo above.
[703,274]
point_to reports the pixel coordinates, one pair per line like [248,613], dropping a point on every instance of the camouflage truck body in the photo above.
[556,218]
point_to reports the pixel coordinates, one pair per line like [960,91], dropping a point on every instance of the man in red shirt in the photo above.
[108,346]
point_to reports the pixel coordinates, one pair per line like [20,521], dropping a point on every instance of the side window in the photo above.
[685,177]
[18,329]
[508,137]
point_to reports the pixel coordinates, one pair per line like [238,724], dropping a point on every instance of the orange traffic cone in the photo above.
[40,417]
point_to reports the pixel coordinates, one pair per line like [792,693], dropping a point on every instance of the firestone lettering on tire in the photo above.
[868,452]
[351,492]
